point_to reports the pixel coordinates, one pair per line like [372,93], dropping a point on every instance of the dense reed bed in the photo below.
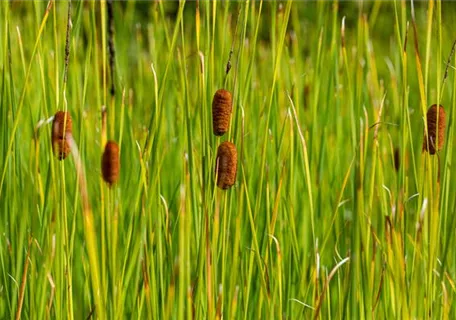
[318,185]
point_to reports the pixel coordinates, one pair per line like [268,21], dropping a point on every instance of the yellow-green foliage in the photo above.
[328,99]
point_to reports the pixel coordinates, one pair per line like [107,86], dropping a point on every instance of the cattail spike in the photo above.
[61,129]
[226,165]
[397,159]
[110,163]
[221,111]
[435,135]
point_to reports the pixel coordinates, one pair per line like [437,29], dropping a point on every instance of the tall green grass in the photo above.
[319,224]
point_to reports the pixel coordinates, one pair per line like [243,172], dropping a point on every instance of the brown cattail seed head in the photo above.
[61,129]
[397,159]
[61,148]
[226,165]
[110,163]
[434,133]
[221,111]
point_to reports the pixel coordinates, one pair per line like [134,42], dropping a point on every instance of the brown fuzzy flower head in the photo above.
[221,111]
[61,129]
[226,165]
[110,163]
[397,159]
[435,135]
[61,148]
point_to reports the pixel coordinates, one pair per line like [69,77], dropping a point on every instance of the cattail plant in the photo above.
[221,111]
[397,159]
[110,163]
[436,134]
[226,165]
[61,130]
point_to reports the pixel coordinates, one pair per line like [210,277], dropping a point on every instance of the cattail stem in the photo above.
[112,61]
[103,126]
[89,230]
[111,48]
[228,65]
[67,45]
[23,282]
[445,75]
